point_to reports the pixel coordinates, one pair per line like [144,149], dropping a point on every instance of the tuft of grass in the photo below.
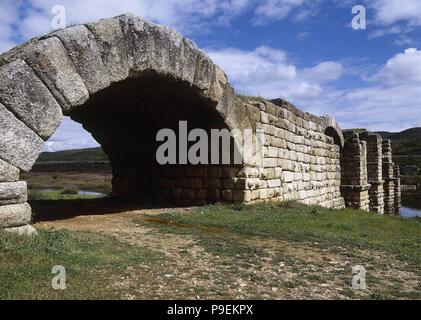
[70,191]
[245,98]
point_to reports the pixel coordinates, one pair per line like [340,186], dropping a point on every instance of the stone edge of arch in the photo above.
[330,122]
[67,66]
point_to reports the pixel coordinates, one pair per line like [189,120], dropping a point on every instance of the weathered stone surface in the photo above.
[8,173]
[19,145]
[162,49]
[13,192]
[15,215]
[28,231]
[51,62]
[330,124]
[84,52]
[205,71]
[134,30]
[23,93]
[112,45]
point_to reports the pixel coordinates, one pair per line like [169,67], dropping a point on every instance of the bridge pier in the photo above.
[375,171]
[355,186]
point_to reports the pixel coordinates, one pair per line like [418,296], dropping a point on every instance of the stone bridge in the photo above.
[125,78]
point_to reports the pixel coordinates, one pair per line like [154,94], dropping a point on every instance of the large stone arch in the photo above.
[75,72]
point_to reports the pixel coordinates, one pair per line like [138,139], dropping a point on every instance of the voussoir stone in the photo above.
[84,52]
[23,93]
[205,71]
[15,215]
[159,48]
[13,192]
[51,62]
[8,173]
[165,50]
[19,145]
[112,45]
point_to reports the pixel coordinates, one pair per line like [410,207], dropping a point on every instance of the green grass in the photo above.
[58,195]
[245,98]
[91,260]
[353,229]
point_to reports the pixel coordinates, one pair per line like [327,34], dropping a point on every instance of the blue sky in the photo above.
[303,50]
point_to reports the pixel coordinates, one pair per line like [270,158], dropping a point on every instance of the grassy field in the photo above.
[96,181]
[300,223]
[80,155]
[265,251]
[26,264]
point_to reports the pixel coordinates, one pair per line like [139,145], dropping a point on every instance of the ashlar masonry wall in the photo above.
[301,162]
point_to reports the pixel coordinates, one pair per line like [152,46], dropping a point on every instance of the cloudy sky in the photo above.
[302,50]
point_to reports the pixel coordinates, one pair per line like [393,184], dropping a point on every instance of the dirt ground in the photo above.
[268,269]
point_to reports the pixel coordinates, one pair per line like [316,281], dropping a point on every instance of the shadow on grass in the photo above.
[54,210]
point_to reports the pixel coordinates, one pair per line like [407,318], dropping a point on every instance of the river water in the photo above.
[410,212]
[411,205]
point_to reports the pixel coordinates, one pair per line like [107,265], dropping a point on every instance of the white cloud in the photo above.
[389,12]
[70,135]
[404,40]
[26,19]
[403,68]
[303,35]
[324,71]
[387,31]
[392,102]
[269,73]
[389,100]
[274,10]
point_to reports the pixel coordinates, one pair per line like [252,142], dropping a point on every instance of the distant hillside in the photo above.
[407,142]
[81,155]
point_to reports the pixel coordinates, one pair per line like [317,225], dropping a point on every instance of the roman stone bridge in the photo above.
[125,78]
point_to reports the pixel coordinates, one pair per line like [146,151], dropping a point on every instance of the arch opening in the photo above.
[125,119]
[333,133]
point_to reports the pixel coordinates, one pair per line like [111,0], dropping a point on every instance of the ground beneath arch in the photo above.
[206,262]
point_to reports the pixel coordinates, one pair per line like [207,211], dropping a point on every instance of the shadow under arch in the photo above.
[123,78]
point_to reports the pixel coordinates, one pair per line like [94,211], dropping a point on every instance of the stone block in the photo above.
[24,94]
[15,215]
[13,192]
[19,145]
[53,65]
[112,44]
[8,173]
[84,52]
